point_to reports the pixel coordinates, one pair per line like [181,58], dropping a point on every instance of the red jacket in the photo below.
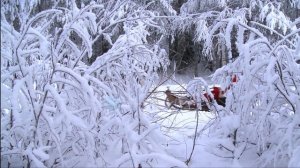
[216,93]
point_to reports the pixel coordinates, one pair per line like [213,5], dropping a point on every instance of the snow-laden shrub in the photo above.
[261,117]
[129,71]
[57,111]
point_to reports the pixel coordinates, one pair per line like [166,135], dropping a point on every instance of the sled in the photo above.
[182,101]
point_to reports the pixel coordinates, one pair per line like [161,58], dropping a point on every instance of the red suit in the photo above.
[216,91]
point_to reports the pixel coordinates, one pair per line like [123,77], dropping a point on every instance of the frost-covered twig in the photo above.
[194,139]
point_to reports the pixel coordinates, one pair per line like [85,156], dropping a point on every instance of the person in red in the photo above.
[218,94]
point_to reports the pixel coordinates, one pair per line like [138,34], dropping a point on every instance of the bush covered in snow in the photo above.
[58,111]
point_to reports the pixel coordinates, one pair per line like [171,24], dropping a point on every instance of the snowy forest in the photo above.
[128,83]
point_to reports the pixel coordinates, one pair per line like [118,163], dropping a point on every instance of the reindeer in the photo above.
[184,102]
[172,98]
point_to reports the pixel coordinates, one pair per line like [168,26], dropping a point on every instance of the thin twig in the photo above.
[194,140]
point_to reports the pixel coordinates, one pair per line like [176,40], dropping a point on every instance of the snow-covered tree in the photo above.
[58,111]
[206,22]
[262,108]
[261,117]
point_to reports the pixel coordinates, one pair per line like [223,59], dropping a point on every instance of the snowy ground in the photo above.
[179,126]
